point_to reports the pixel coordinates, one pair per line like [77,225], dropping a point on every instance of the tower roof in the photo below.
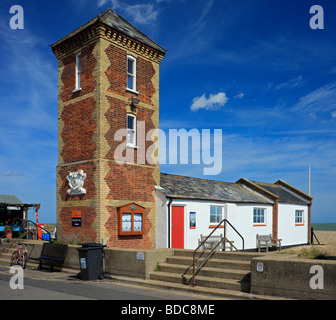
[116,22]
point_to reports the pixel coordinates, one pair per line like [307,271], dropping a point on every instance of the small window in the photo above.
[216,215]
[131,73]
[259,216]
[78,70]
[131,130]
[131,218]
[299,217]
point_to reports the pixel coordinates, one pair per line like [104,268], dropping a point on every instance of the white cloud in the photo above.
[292,83]
[215,101]
[321,99]
[141,13]
[239,96]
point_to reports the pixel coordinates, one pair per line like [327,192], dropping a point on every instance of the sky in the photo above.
[256,69]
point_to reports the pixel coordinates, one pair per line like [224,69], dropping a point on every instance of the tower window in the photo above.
[131,73]
[131,130]
[78,71]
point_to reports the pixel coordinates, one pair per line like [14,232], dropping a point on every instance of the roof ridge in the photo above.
[194,178]
[111,10]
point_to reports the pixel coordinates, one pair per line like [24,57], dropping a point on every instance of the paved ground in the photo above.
[43,285]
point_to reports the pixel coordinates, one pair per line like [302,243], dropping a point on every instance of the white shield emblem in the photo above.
[76,182]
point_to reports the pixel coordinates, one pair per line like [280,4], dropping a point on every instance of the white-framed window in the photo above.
[259,216]
[216,214]
[131,73]
[78,71]
[298,216]
[131,130]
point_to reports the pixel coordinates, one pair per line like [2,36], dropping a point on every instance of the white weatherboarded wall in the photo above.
[288,231]
[239,215]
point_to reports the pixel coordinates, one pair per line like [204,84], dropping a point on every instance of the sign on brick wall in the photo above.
[76,218]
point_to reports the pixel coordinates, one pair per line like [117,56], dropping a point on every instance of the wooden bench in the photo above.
[212,241]
[266,241]
[52,254]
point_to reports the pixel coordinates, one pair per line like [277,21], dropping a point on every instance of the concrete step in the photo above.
[202,281]
[5,259]
[208,272]
[225,294]
[212,263]
[246,256]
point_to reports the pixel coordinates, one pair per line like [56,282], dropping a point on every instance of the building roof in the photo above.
[193,188]
[285,196]
[116,22]
[13,200]
[10,200]
[243,191]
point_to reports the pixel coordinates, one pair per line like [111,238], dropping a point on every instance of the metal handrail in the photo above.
[37,226]
[195,271]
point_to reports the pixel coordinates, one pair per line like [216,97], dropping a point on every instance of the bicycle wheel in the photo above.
[14,258]
[24,260]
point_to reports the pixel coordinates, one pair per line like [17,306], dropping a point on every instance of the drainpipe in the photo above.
[168,205]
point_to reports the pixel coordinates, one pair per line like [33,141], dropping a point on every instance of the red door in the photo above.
[177,227]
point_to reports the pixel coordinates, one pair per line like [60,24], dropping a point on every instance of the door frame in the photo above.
[184,223]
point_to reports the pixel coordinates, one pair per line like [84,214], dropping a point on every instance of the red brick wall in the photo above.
[116,117]
[89,185]
[78,131]
[85,233]
[117,75]
[129,182]
[135,242]
[68,75]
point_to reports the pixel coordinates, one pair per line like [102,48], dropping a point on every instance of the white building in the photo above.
[189,207]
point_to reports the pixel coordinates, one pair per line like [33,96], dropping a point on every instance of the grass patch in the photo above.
[312,253]
[157,268]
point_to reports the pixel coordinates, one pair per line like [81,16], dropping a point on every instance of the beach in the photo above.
[327,245]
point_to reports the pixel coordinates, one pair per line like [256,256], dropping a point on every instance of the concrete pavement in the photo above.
[44,285]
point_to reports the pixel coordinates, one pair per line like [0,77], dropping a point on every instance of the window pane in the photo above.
[130,66]
[137,222]
[130,122]
[127,222]
[130,82]
[215,214]
[258,215]
[130,137]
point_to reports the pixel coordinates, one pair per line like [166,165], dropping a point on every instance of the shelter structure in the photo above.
[14,212]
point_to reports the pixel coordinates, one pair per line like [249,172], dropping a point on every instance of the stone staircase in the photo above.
[8,248]
[226,272]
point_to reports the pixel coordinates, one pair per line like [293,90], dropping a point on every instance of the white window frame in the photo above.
[255,221]
[299,218]
[133,144]
[221,215]
[78,71]
[133,75]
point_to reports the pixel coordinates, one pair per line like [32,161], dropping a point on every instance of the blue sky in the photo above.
[253,68]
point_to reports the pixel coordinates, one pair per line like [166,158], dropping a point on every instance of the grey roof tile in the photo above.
[284,195]
[202,189]
[10,199]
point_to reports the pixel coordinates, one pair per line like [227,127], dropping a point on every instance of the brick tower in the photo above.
[108,102]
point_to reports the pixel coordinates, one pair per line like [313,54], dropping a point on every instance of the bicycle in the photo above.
[20,256]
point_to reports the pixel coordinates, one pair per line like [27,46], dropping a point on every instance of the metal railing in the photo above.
[25,225]
[313,235]
[211,253]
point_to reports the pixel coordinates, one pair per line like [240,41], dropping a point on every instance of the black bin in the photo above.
[91,257]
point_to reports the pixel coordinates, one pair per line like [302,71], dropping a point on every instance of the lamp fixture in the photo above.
[134,101]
